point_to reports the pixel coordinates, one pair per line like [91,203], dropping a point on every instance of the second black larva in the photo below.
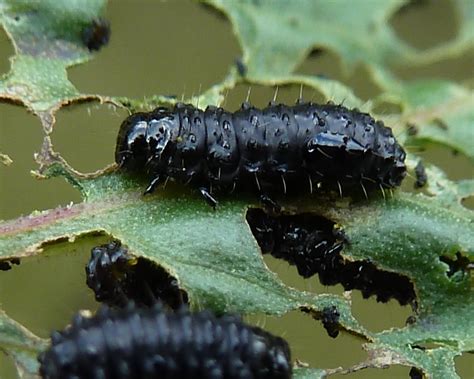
[150,343]
[277,150]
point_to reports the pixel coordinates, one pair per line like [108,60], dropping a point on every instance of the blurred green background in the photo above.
[175,48]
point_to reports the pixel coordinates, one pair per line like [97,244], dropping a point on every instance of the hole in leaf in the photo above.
[7,367]
[95,126]
[20,192]
[459,264]
[424,24]
[464,365]
[362,82]
[118,277]
[389,314]
[142,60]
[6,51]
[46,290]
[375,316]
[327,65]
[309,340]
[468,202]
[456,166]
[289,275]
[442,69]
[322,63]
[386,108]
[314,244]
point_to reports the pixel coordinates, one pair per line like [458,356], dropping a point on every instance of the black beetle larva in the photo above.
[150,343]
[118,277]
[314,244]
[278,149]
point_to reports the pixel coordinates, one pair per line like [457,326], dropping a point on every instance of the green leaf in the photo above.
[308,373]
[276,36]
[21,344]
[47,36]
[443,112]
[212,253]
[440,186]
[216,260]
[221,269]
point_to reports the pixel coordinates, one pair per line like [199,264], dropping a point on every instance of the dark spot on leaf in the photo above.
[293,22]
[459,264]
[314,244]
[421,177]
[241,67]
[410,320]
[412,129]
[96,34]
[440,124]
[316,52]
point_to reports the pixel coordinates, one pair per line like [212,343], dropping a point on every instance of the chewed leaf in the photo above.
[50,29]
[21,344]
[48,37]
[416,248]
[221,269]
[458,45]
[276,36]
[217,262]
[442,112]
[446,191]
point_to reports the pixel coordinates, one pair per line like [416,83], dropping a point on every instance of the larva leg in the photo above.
[267,201]
[208,197]
[153,184]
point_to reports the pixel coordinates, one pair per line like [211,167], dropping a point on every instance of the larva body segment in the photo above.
[275,150]
[150,343]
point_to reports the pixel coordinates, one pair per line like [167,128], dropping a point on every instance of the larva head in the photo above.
[131,151]
[159,135]
[399,169]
